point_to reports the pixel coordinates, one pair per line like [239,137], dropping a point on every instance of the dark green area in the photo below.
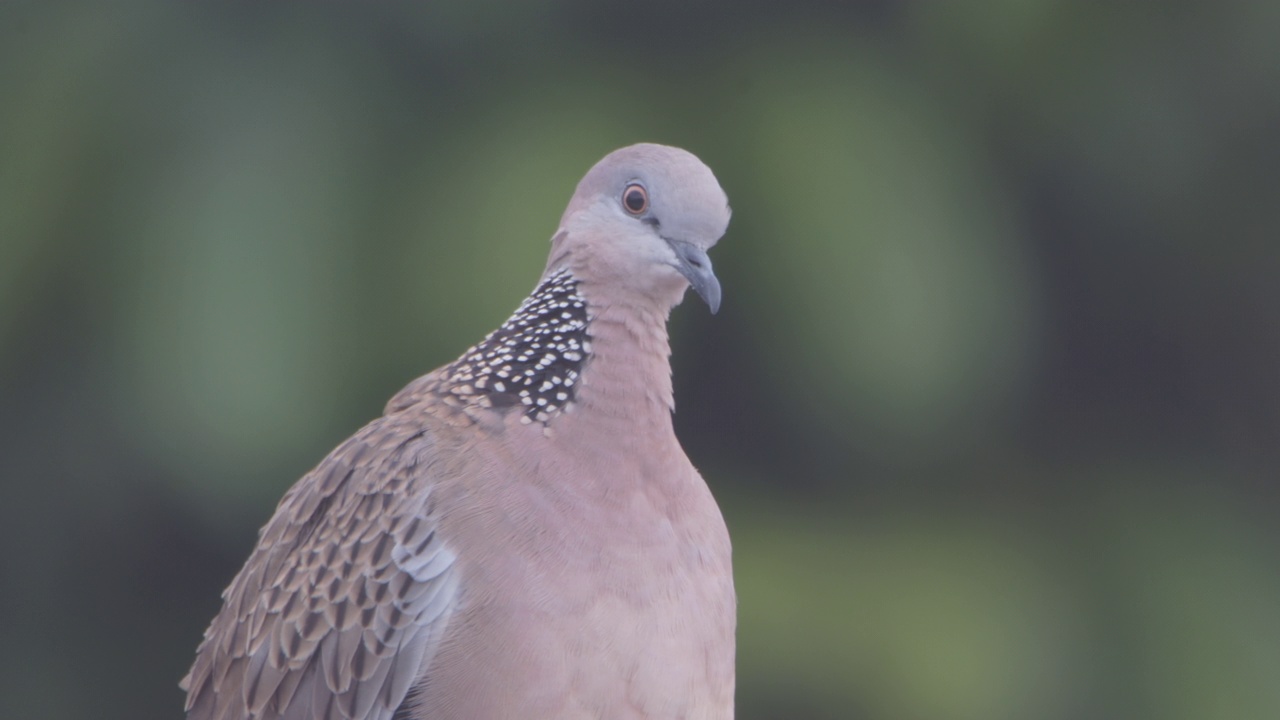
[992,404]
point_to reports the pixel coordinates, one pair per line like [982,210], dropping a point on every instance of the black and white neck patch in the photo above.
[534,360]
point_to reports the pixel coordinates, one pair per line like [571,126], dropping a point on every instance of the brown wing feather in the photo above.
[344,598]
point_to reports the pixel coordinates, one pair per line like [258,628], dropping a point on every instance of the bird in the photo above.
[520,534]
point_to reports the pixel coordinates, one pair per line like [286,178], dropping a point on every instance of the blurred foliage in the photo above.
[992,405]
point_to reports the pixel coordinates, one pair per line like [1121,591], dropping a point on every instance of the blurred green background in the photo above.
[992,405]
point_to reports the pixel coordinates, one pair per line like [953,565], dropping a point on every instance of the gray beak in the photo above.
[693,263]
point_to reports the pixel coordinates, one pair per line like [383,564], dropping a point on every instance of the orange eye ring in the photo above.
[635,199]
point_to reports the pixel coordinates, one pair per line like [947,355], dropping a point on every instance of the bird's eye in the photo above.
[635,199]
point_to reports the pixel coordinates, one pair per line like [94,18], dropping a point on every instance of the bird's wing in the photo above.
[344,599]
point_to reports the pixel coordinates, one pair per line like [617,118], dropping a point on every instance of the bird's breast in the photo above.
[597,595]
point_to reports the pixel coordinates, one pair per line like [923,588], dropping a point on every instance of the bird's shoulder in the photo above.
[347,592]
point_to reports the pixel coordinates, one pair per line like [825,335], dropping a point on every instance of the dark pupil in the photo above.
[634,200]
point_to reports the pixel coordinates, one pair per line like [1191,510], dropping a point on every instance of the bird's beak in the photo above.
[695,266]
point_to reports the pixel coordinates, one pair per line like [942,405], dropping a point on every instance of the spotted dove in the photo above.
[520,535]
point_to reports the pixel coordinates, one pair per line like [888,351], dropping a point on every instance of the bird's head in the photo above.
[641,221]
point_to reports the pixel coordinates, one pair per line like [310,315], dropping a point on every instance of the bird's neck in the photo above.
[626,376]
[532,364]
[626,380]
[576,349]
